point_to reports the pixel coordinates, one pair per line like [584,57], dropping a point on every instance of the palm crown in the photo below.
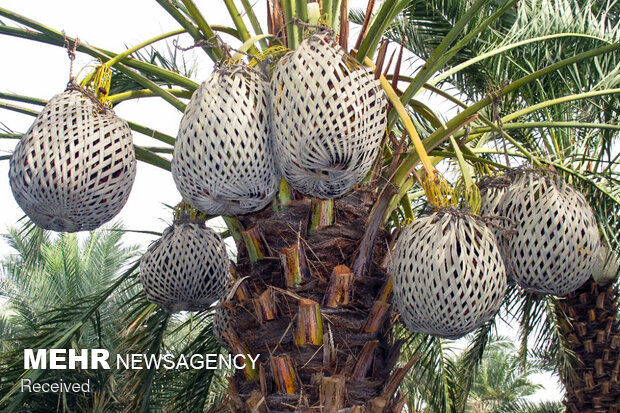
[533,83]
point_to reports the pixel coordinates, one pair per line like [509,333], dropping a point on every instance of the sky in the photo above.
[43,71]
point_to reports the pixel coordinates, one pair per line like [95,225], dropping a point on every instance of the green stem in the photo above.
[401,173]
[285,195]
[397,199]
[405,203]
[292,31]
[104,55]
[150,158]
[239,24]
[301,6]
[473,158]
[135,94]
[134,49]
[506,48]
[199,19]
[441,55]
[557,101]
[534,125]
[151,133]
[385,15]
[213,52]
[234,226]
[22,98]
[326,11]
[158,149]
[18,109]
[30,23]
[467,178]
[249,11]
[335,13]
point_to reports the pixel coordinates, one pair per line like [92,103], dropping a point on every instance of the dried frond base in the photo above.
[593,333]
[343,336]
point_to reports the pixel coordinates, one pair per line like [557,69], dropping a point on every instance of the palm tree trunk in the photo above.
[323,335]
[594,336]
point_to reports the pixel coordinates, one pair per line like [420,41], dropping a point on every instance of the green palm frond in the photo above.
[57,328]
[170,59]
[544,407]
[500,383]
[60,293]
[433,380]
[471,358]
[143,334]
[198,388]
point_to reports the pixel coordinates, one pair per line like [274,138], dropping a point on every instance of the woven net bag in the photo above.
[221,321]
[74,168]
[492,192]
[187,269]
[223,161]
[607,266]
[448,275]
[328,117]
[555,245]
[491,206]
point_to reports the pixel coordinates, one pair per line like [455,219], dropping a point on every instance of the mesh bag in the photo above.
[607,266]
[491,206]
[74,168]
[221,320]
[449,277]
[328,117]
[492,192]
[223,161]
[491,201]
[187,269]
[556,241]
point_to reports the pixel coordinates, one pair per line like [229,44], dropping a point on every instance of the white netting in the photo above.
[328,117]
[74,168]
[221,320]
[491,205]
[448,275]
[223,157]
[607,266]
[556,242]
[491,201]
[187,269]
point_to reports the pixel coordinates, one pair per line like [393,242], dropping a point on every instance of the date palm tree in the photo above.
[534,35]
[501,384]
[483,49]
[41,284]
[52,285]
